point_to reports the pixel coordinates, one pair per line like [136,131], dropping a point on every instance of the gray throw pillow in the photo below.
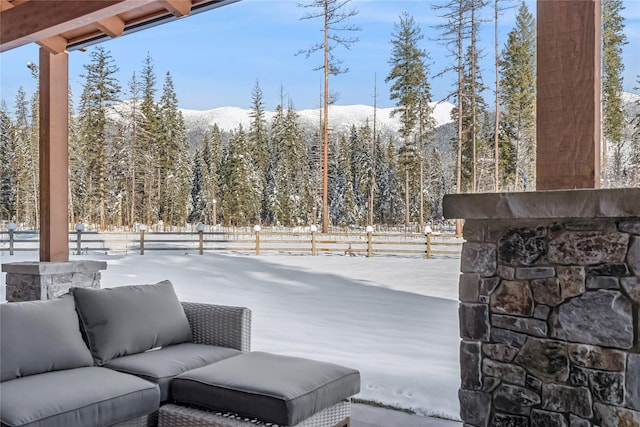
[40,336]
[130,319]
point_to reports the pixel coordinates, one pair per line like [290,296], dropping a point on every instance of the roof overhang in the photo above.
[59,25]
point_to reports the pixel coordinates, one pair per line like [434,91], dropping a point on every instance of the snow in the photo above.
[393,318]
[342,117]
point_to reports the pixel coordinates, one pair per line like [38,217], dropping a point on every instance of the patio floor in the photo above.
[370,416]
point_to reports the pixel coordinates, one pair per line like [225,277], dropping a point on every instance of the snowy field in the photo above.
[393,318]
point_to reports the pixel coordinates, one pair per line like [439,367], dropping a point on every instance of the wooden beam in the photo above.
[37,20]
[568,94]
[54,156]
[55,44]
[112,26]
[178,8]
[5,5]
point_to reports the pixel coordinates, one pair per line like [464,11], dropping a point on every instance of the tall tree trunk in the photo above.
[460,102]
[496,137]
[325,177]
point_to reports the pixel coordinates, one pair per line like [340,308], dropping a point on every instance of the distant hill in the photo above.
[341,118]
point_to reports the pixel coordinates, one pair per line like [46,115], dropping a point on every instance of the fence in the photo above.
[254,241]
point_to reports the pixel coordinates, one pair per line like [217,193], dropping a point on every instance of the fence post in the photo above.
[142,229]
[79,230]
[12,228]
[257,229]
[200,228]
[369,241]
[427,232]
[314,229]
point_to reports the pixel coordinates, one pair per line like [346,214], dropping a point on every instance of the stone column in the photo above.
[550,308]
[27,281]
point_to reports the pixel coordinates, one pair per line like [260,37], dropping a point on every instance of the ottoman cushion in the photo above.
[272,388]
[160,366]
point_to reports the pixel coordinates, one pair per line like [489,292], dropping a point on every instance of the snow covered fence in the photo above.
[298,241]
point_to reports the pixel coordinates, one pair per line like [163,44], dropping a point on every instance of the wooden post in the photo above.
[313,243]
[201,238]
[142,240]
[369,244]
[54,155]
[428,245]
[257,230]
[568,94]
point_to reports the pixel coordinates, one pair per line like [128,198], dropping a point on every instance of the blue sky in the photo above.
[216,57]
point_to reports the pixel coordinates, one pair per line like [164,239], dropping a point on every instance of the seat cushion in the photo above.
[272,388]
[40,336]
[76,397]
[130,319]
[160,366]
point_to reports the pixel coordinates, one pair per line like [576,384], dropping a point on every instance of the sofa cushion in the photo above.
[76,397]
[272,388]
[130,319]
[160,366]
[40,336]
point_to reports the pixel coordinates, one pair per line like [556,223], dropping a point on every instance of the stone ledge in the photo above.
[589,203]
[46,268]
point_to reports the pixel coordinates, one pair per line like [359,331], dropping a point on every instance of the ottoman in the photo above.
[266,387]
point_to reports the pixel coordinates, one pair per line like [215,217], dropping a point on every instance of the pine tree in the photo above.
[173,159]
[335,19]
[614,117]
[148,171]
[410,91]
[635,142]
[8,173]
[258,137]
[27,171]
[455,32]
[518,70]
[241,196]
[100,91]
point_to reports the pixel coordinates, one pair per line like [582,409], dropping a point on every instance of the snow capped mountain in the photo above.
[341,117]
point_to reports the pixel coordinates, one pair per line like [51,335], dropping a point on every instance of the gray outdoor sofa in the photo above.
[136,356]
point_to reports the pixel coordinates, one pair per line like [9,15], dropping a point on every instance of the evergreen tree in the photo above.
[173,159]
[259,142]
[134,129]
[410,91]
[241,195]
[26,160]
[614,117]
[8,173]
[100,91]
[473,107]
[292,199]
[518,83]
[454,34]
[148,171]
[635,142]
[335,18]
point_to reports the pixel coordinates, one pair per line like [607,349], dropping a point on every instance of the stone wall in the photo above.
[27,281]
[550,321]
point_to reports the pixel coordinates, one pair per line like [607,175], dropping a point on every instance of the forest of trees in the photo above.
[131,161]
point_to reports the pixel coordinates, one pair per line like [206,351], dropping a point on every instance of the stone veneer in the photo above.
[27,281]
[550,308]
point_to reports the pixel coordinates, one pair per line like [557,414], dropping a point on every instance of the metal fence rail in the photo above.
[255,242]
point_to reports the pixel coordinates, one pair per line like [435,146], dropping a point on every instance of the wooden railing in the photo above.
[247,241]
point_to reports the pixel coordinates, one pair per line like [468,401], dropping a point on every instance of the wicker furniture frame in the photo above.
[211,324]
[226,326]
[172,415]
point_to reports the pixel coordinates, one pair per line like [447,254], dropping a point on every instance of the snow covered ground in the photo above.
[393,318]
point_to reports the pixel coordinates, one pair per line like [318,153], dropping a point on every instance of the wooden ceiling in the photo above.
[59,25]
